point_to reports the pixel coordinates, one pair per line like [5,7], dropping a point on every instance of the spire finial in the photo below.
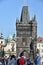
[34,17]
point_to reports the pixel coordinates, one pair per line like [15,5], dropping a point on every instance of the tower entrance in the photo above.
[25,28]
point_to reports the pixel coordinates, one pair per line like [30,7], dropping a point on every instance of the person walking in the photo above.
[12,61]
[18,60]
[37,59]
[22,59]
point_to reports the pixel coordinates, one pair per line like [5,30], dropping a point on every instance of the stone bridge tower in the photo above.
[25,29]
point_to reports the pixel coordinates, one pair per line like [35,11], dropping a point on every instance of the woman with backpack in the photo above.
[22,59]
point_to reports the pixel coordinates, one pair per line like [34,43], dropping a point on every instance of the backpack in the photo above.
[22,61]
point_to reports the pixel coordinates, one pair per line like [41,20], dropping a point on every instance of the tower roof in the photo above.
[25,14]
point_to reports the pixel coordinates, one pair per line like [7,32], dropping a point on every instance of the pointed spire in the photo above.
[25,14]
[34,17]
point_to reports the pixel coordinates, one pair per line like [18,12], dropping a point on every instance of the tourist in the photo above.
[12,61]
[37,59]
[4,60]
[0,61]
[22,59]
[18,60]
[28,61]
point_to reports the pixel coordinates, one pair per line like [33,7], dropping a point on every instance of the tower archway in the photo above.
[25,53]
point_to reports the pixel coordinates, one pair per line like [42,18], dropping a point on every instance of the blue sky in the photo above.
[11,9]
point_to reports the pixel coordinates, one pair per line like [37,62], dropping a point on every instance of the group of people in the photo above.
[20,60]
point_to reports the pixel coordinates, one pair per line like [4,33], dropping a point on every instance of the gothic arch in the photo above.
[26,53]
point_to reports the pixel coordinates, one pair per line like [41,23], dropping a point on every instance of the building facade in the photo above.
[26,29]
[2,44]
[40,47]
[10,47]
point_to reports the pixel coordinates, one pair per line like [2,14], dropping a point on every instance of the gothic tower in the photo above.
[25,29]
